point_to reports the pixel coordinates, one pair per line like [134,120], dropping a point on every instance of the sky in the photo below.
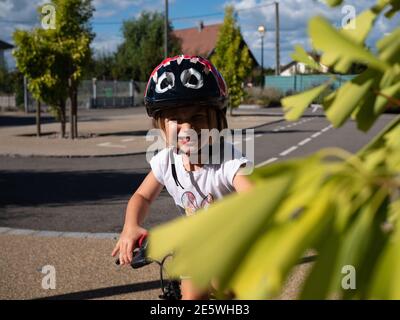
[110,14]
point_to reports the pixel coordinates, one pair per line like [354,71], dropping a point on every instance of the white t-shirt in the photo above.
[202,186]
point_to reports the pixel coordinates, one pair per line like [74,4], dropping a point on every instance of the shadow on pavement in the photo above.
[6,121]
[106,292]
[27,188]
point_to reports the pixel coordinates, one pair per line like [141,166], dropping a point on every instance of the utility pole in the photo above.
[277,49]
[261,31]
[166,30]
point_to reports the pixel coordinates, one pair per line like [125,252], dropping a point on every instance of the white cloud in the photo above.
[294,16]
[106,43]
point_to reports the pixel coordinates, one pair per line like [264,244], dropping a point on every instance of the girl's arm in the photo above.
[137,209]
[242,183]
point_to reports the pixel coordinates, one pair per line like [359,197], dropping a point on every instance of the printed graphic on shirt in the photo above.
[189,202]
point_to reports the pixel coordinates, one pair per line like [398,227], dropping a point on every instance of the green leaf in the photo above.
[263,271]
[339,47]
[384,283]
[348,96]
[334,3]
[295,105]
[301,55]
[323,280]
[379,140]
[225,227]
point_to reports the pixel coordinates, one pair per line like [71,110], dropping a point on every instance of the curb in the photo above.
[57,234]
[16,155]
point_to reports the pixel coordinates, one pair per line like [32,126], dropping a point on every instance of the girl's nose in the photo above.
[185,126]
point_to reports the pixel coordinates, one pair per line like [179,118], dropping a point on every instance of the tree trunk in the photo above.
[63,119]
[75,106]
[71,121]
[71,109]
[38,125]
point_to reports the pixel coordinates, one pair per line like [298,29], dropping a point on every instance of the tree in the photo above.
[142,49]
[345,206]
[73,35]
[53,60]
[232,58]
[34,58]
[101,66]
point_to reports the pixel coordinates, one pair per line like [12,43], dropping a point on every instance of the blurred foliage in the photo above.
[232,57]
[345,206]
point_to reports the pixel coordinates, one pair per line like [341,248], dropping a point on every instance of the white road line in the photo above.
[110,145]
[287,151]
[316,134]
[247,139]
[266,162]
[128,140]
[326,128]
[304,141]
[258,135]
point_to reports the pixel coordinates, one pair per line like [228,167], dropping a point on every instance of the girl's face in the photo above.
[185,124]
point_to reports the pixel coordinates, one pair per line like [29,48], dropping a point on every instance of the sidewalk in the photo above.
[84,270]
[101,135]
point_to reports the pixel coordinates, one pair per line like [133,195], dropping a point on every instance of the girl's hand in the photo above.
[126,243]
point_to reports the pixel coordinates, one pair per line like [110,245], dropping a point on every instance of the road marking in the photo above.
[128,140]
[326,128]
[110,145]
[287,151]
[315,108]
[258,135]
[247,139]
[266,162]
[304,141]
[316,134]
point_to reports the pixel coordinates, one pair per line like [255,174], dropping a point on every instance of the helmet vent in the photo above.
[165,82]
[192,79]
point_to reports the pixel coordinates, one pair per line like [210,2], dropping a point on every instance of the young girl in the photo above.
[184,95]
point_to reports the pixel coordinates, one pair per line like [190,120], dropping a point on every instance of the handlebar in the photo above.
[140,258]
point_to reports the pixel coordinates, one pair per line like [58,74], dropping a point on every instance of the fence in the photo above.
[7,102]
[297,83]
[102,94]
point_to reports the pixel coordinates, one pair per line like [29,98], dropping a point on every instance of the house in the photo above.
[294,67]
[4,46]
[202,40]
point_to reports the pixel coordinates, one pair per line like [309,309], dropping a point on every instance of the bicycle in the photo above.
[170,288]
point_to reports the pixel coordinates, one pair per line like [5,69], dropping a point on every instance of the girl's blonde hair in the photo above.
[216,120]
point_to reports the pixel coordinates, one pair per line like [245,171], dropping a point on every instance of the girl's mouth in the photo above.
[184,139]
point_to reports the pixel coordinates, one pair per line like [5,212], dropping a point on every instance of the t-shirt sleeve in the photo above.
[158,165]
[233,167]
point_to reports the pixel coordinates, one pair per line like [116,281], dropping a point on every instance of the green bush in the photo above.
[264,97]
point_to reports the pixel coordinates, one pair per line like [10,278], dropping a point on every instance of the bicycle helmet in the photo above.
[185,81]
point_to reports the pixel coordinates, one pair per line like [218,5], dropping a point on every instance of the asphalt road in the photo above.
[90,194]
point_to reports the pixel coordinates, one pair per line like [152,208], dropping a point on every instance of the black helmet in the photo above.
[185,81]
